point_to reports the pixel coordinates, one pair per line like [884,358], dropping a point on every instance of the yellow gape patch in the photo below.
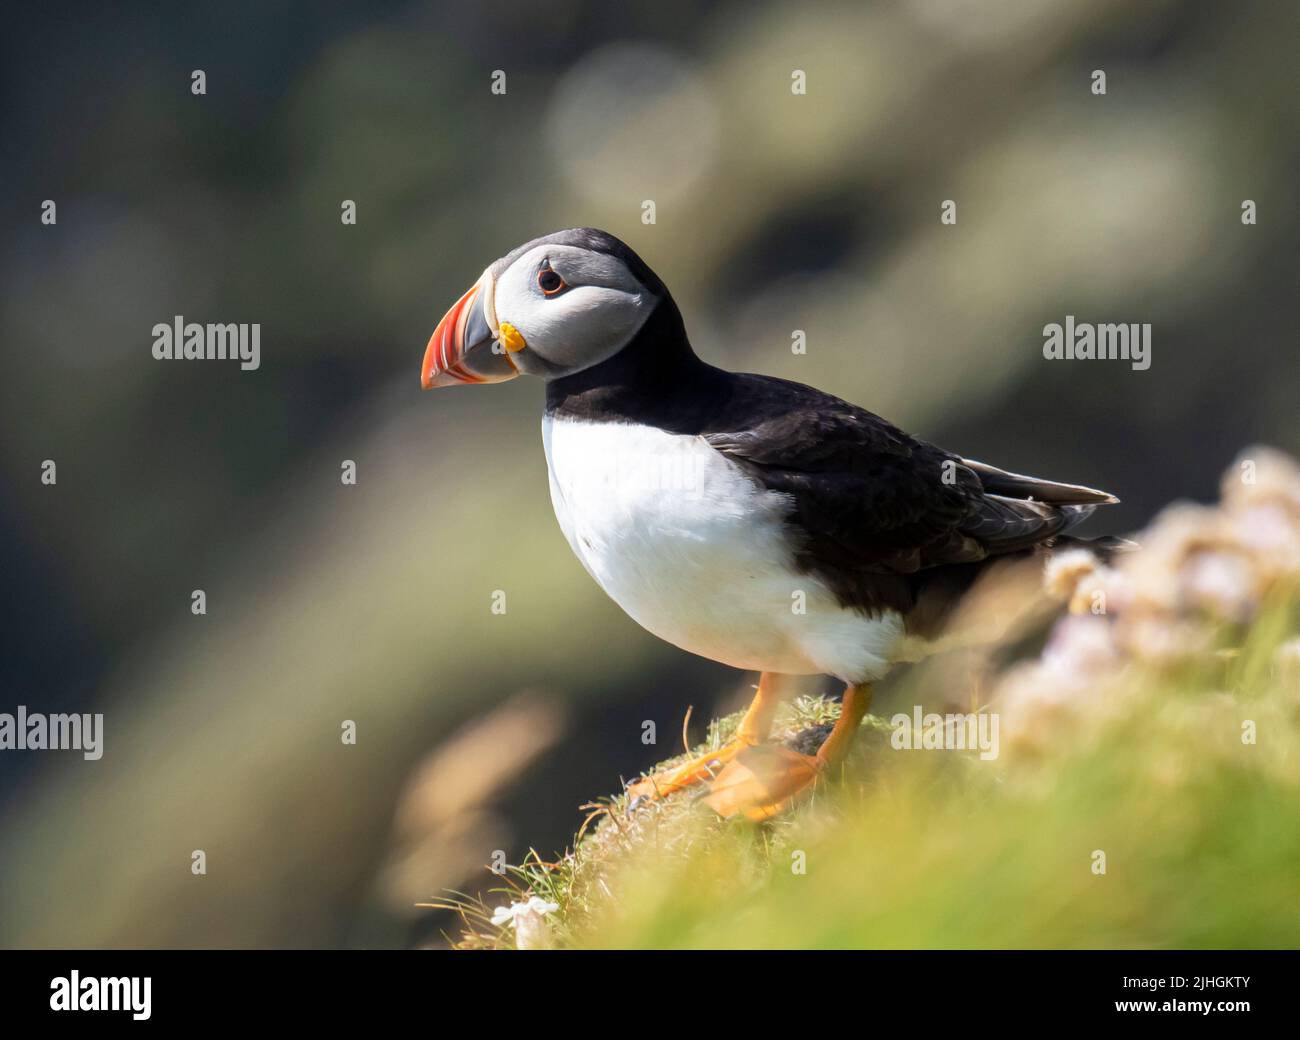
[511,338]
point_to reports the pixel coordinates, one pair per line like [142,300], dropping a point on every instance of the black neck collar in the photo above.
[656,380]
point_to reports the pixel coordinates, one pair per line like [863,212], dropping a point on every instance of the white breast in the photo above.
[696,552]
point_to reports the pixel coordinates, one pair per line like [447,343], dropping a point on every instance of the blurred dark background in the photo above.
[775,212]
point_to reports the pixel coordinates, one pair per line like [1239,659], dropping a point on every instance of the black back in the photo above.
[884,519]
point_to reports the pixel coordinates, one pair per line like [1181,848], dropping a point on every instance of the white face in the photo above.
[578,319]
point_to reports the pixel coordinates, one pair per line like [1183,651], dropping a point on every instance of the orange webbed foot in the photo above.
[761,781]
[703,767]
[753,729]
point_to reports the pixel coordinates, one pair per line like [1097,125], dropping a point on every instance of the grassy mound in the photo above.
[1146,792]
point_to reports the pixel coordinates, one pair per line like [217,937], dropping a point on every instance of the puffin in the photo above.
[752,520]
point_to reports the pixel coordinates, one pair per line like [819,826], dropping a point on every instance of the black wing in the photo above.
[876,512]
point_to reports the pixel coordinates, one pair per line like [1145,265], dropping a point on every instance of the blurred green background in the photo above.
[482,732]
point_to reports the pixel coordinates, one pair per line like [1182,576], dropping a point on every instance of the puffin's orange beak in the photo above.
[463,348]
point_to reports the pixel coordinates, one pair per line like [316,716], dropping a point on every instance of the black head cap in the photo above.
[596,241]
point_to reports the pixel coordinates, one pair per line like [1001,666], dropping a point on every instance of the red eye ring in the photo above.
[550,282]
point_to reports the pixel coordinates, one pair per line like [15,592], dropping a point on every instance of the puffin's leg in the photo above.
[762,781]
[753,729]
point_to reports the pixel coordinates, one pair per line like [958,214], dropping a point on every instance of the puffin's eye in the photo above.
[549,281]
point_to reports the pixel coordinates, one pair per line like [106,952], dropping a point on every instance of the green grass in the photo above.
[903,849]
